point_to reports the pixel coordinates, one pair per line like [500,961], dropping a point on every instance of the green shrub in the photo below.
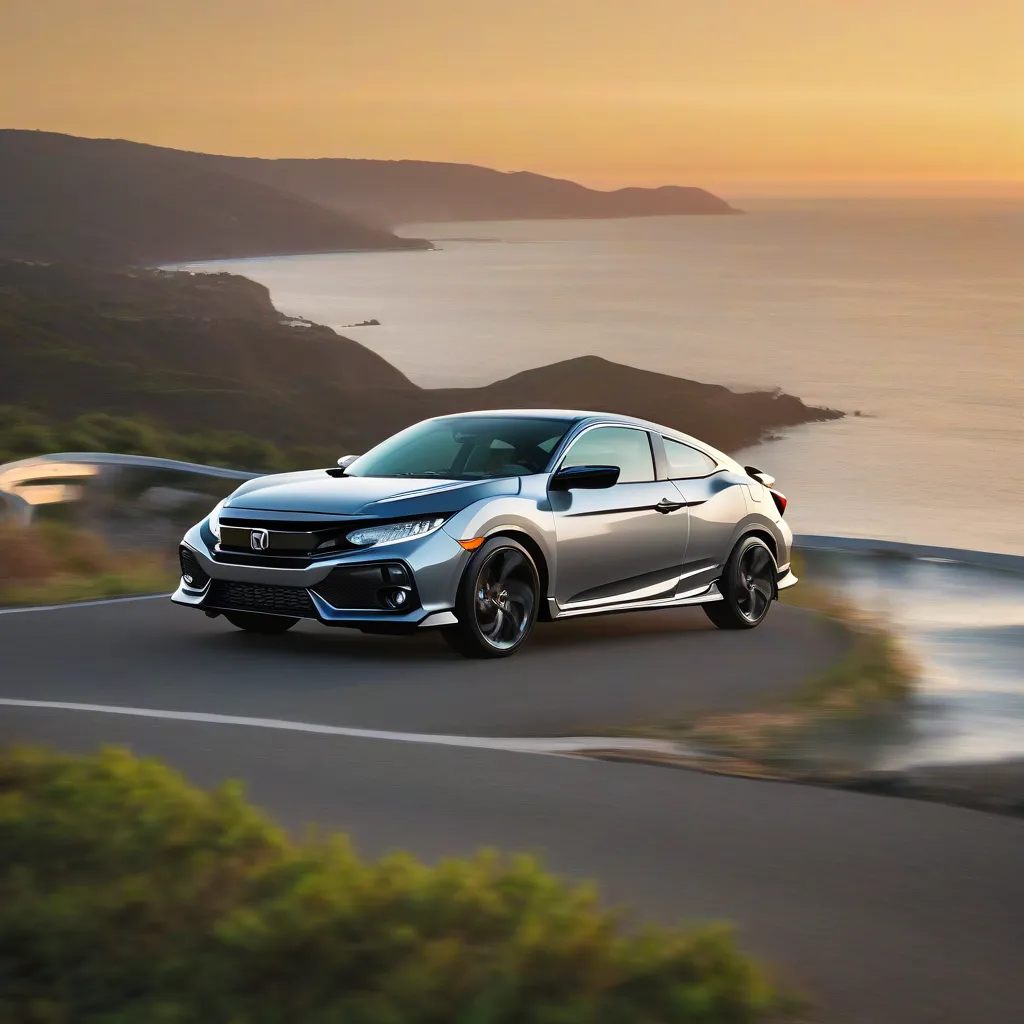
[129,897]
[24,433]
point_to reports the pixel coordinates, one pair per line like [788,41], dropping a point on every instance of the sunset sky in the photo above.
[746,97]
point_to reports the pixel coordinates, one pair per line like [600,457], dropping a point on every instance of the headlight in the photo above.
[394,532]
[214,519]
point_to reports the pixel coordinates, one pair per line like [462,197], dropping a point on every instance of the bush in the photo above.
[126,895]
[51,562]
[24,433]
[25,556]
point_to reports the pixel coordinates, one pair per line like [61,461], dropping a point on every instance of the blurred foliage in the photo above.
[127,895]
[24,433]
[793,732]
[53,561]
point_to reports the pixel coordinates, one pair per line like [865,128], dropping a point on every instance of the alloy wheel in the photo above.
[504,598]
[756,578]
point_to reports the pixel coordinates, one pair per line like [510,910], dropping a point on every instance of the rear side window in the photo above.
[624,447]
[684,461]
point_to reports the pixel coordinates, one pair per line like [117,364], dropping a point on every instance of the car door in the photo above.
[717,502]
[613,544]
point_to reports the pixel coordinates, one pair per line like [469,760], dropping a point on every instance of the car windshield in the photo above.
[465,448]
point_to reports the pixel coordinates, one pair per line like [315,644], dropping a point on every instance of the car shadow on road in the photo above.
[317,641]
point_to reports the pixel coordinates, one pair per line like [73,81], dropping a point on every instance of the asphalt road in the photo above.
[885,910]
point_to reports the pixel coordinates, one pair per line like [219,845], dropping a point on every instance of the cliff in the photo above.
[409,191]
[199,352]
[64,198]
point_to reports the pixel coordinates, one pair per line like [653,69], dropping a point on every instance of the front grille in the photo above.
[260,597]
[288,542]
[363,586]
[191,571]
[287,538]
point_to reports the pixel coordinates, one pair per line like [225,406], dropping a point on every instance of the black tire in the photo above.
[748,586]
[254,622]
[497,602]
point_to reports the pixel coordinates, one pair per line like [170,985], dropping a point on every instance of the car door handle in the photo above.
[667,506]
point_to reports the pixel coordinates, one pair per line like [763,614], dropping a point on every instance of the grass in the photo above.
[793,732]
[52,563]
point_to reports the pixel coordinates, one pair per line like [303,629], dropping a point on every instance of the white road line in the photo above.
[81,604]
[553,745]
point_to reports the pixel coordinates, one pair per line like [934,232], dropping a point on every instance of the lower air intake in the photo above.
[191,571]
[230,595]
[367,586]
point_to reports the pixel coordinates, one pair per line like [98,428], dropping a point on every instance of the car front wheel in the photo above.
[747,585]
[254,622]
[497,603]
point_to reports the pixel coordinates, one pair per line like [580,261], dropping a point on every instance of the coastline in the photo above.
[302,389]
[186,265]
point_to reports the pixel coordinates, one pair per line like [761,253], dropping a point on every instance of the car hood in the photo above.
[386,497]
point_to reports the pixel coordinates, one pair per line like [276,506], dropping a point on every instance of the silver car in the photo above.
[480,524]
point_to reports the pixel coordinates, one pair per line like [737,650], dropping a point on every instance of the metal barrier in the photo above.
[901,549]
[107,491]
[132,499]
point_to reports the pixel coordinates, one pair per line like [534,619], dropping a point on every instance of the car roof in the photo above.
[569,415]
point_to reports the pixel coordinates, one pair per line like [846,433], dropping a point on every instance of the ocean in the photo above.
[909,314]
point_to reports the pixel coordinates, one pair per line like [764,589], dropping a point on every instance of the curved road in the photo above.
[884,910]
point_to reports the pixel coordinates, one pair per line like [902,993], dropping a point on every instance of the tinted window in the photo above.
[624,447]
[465,448]
[685,461]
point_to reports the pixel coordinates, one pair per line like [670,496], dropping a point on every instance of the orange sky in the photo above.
[743,96]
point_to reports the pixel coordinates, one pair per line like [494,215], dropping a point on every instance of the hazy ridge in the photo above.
[116,202]
[65,198]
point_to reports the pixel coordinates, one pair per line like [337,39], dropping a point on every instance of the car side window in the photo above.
[625,447]
[684,461]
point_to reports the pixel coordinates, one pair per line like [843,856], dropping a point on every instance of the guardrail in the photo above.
[63,477]
[901,549]
[112,459]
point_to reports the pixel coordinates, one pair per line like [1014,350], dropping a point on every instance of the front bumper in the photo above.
[433,564]
[787,580]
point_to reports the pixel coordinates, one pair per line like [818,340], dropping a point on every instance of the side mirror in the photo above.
[343,463]
[589,477]
[763,478]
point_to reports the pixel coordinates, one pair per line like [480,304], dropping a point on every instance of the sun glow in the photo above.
[797,95]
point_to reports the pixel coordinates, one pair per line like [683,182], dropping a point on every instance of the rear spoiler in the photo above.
[760,476]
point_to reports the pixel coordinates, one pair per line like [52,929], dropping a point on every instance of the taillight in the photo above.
[781,501]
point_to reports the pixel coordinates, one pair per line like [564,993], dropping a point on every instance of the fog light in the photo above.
[395,597]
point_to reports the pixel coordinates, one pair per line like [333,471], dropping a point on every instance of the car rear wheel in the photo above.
[254,622]
[748,586]
[497,603]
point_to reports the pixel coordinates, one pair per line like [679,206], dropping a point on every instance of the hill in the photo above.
[410,191]
[103,198]
[65,198]
[200,352]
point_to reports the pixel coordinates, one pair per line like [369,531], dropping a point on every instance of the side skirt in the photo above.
[706,595]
